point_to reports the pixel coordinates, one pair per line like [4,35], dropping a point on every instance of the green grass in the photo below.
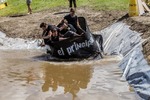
[19,6]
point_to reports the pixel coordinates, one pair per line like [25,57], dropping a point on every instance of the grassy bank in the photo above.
[19,6]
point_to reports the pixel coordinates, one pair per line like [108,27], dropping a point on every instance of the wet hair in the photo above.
[42,25]
[72,10]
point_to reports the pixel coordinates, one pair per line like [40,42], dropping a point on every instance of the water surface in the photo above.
[22,77]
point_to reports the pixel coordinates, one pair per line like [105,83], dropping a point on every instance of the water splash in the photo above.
[18,43]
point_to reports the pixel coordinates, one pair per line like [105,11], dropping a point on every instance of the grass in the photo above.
[19,6]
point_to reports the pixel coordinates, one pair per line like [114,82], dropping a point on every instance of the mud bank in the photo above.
[120,40]
[27,26]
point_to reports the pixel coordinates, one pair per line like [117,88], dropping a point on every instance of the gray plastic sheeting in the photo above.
[120,40]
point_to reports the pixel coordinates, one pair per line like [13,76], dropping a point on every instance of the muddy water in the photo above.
[22,77]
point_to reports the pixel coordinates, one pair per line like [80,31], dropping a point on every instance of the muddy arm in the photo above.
[48,36]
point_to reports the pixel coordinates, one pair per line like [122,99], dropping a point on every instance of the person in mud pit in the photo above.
[52,33]
[72,19]
[55,36]
[46,33]
[67,30]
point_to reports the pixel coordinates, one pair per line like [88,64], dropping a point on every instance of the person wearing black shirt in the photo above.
[67,30]
[73,20]
[64,27]
[52,33]
[46,33]
[55,35]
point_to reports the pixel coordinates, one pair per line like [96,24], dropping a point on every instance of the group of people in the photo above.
[68,27]
[28,2]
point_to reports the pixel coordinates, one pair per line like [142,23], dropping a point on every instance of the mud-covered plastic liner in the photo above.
[120,40]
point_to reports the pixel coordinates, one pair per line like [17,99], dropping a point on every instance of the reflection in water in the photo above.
[23,78]
[71,77]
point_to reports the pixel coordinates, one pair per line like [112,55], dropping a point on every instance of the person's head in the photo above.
[43,25]
[72,12]
[54,32]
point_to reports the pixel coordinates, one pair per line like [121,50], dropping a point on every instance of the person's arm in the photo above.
[64,26]
[78,24]
[61,38]
[42,43]
[48,36]
[82,31]
[64,20]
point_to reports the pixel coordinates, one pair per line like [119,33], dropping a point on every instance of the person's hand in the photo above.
[41,43]
[64,26]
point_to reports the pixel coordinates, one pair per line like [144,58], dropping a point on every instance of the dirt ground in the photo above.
[27,26]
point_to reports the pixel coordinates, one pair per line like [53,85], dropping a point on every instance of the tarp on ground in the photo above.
[120,40]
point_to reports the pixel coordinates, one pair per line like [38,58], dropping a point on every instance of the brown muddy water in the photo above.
[22,77]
